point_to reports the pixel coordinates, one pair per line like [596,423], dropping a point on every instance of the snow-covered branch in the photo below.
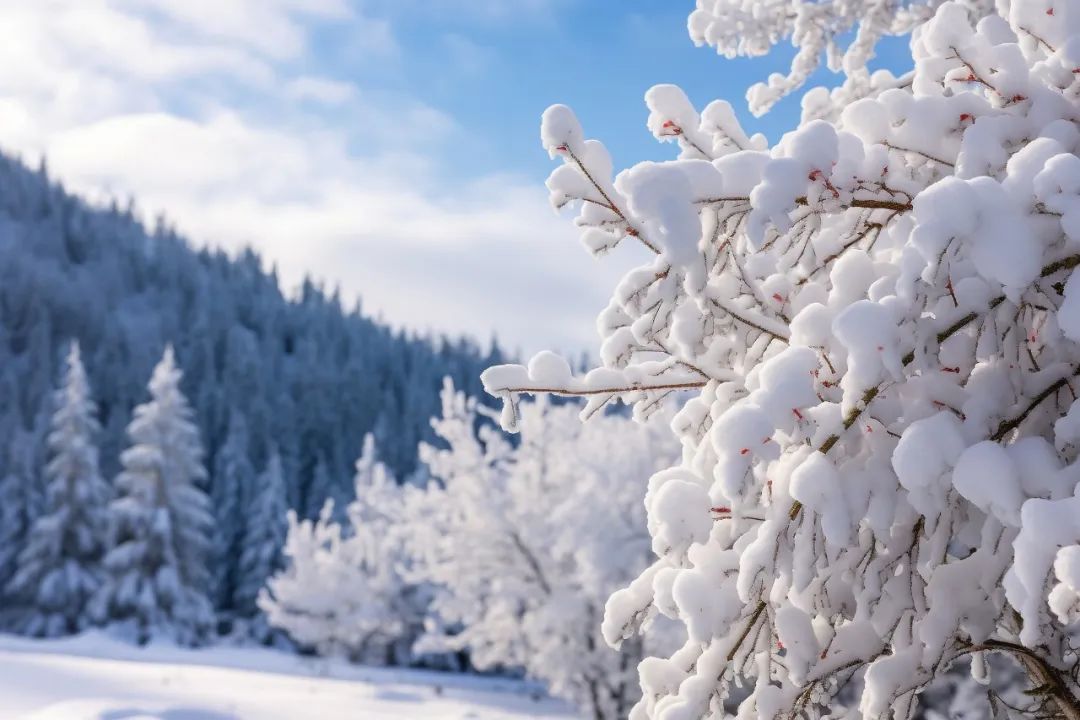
[877,321]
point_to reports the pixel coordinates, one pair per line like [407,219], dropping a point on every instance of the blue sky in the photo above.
[598,57]
[389,147]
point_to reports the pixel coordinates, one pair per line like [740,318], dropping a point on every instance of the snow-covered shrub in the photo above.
[157,577]
[880,318]
[59,567]
[342,591]
[523,544]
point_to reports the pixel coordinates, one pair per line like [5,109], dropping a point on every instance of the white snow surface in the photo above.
[96,677]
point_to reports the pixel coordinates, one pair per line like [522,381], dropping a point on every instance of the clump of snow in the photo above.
[986,476]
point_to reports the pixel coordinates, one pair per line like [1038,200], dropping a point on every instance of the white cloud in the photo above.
[491,11]
[270,27]
[321,90]
[483,256]
[321,176]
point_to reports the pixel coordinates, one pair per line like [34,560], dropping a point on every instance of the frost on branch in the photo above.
[877,322]
[343,591]
[753,27]
[523,544]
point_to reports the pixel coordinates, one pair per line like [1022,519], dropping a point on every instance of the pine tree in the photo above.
[60,566]
[263,537]
[156,570]
[12,524]
[320,489]
[233,477]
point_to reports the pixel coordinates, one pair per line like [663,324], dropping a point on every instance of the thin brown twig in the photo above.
[533,390]
[611,203]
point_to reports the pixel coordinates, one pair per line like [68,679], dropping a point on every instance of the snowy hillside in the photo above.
[93,677]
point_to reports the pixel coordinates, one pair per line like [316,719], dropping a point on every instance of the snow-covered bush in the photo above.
[880,318]
[157,577]
[523,544]
[342,591]
[59,567]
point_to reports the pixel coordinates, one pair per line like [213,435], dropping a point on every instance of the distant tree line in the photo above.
[280,388]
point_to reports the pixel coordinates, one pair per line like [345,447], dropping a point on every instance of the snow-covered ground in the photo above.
[94,677]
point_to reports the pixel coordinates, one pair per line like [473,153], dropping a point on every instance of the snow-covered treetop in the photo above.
[76,412]
[878,320]
[166,376]
[165,441]
[845,32]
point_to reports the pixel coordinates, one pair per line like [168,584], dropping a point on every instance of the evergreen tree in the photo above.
[156,570]
[320,489]
[19,506]
[233,477]
[12,524]
[59,567]
[263,537]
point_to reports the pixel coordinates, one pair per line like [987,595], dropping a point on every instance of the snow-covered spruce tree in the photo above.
[524,544]
[157,578]
[59,565]
[341,591]
[263,535]
[879,318]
